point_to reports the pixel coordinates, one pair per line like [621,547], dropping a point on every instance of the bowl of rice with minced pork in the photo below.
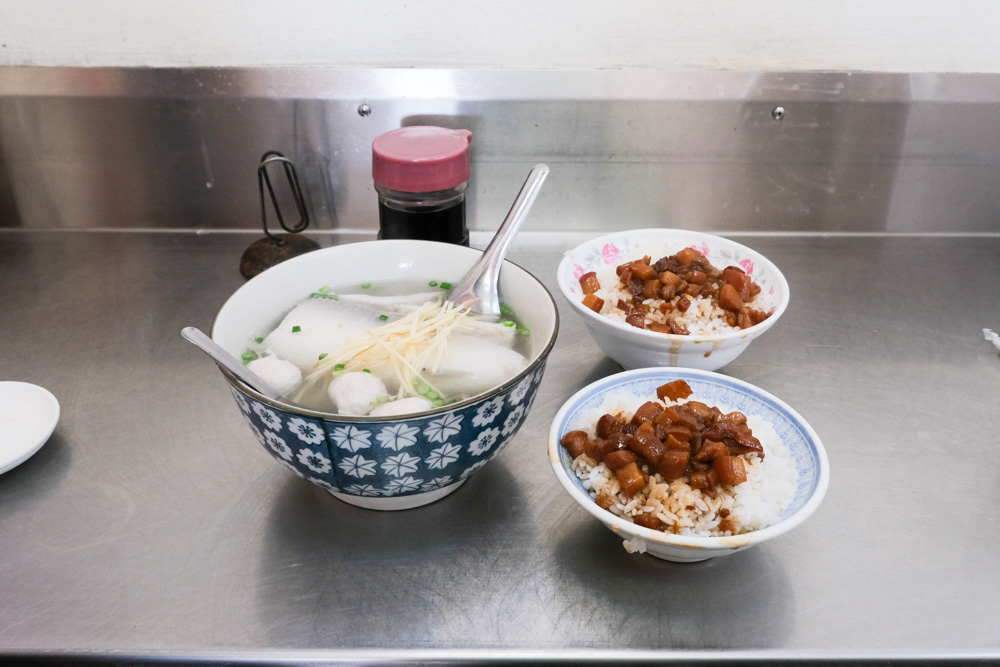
[685,464]
[672,297]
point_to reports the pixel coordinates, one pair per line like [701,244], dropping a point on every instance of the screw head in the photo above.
[364,110]
[777,113]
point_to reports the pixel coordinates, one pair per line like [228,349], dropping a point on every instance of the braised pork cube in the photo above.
[589,282]
[673,464]
[619,459]
[645,443]
[674,390]
[676,444]
[641,269]
[594,302]
[678,329]
[697,277]
[711,450]
[729,299]
[631,479]
[617,441]
[732,429]
[599,448]
[730,469]
[757,316]
[574,442]
[651,289]
[647,521]
[670,278]
[687,256]
[609,424]
[646,412]
[636,318]
[704,480]
[740,281]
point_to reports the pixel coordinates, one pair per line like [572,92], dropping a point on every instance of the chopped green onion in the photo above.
[422,389]
[445,285]
[333,296]
[338,367]
[365,370]
[324,289]
[433,283]
[379,401]
[432,395]
[258,339]
[365,285]
[316,295]
[322,356]
[337,373]
[248,357]
[296,329]
[437,402]
[507,323]
[506,310]
[383,317]
[523,330]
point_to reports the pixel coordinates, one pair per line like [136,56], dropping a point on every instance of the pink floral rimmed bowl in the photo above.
[640,348]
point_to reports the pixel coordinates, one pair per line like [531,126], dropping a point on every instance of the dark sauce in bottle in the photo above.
[426,223]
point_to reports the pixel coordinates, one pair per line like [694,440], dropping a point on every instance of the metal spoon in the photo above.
[480,283]
[231,363]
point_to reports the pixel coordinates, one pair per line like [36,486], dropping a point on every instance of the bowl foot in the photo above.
[399,502]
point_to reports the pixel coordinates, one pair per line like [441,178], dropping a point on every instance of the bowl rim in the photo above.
[331,416]
[650,535]
[595,319]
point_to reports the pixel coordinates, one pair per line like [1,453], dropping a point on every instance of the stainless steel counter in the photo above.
[153,527]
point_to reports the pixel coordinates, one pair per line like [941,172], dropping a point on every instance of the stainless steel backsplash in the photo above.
[719,151]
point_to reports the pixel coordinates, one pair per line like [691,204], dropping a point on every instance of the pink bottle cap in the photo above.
[421,158]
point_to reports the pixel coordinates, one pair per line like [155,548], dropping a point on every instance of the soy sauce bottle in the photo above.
[421,174]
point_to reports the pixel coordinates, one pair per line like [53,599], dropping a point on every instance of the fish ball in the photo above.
[357,393]
[404,406]
[283,376]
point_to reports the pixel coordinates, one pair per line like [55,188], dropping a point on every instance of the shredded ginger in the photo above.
[406,347]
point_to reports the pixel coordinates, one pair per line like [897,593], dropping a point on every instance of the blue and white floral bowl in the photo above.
[638,348]
[386,463]
[637,386]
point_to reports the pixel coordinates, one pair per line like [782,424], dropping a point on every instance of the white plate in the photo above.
[28,415]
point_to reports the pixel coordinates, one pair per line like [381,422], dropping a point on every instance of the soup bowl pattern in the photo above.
[397,463]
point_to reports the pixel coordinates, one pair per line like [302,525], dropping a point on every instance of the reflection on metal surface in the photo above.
[153,526]
[109,147]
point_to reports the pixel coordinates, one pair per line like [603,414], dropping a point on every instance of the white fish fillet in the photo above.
[392,305]
[324,324]
[473,364]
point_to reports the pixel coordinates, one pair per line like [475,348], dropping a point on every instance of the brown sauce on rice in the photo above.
[668,295]
[668,459]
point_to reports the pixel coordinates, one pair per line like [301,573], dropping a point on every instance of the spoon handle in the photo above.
[481,280]
[223,358]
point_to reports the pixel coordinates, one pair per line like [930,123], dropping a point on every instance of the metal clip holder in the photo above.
[274,249]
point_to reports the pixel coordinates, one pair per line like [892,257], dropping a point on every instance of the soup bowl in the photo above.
[632,347]
[385,463]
